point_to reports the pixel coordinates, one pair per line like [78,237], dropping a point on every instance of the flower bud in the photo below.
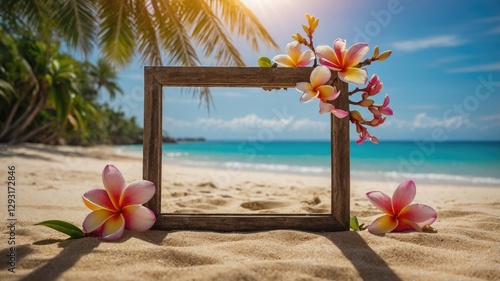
[359,128]
[376,51]
[297,37]
[356,116]
[306,29]
[374,86]
[310,19]
[384,55]
[366,103]
[315,25]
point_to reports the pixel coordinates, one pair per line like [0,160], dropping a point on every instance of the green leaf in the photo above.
[77,21]
[64,227]
[264,62]
[354,224]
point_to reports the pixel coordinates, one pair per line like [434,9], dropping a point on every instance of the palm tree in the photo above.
[43,99]
[152,29]
[38,91]
[101,75]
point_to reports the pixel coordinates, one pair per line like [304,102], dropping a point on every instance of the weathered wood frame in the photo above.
[155,78]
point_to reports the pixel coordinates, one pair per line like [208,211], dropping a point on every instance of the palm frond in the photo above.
[241,19]
[145,26]
[209,31]
[175,37]
[6,90]
[77,21]
[25,13]
[116,34]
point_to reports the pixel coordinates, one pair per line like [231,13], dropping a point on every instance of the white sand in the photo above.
[51,180]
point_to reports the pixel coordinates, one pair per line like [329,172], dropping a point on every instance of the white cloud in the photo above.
[476,68]
[306,124]
[449,59]
[495,117]
[250,122]
[172,122]
[428,42]
[494,30]
[423,121]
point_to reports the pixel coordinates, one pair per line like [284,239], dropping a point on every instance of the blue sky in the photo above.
[443,76]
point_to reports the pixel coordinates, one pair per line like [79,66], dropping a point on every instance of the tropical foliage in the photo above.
[150,28]
[49,96]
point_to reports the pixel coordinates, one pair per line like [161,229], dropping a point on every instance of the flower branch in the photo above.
[348,63]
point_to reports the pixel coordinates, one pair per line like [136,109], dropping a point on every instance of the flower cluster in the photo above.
[348,63]
[379,111]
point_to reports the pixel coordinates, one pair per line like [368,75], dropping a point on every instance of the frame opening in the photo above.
[158,77]
[255,152]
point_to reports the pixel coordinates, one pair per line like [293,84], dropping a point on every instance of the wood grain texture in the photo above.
[257,77]
[238,222]
[152,139]
[340,154]
[157,77]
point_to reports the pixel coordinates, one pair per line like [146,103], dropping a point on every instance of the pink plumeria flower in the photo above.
[374,86]
[399,214]
[118,207]
[325,106]
[295,57]
[344,61]
[382,109]
[376,121]
[317,89]
[364,135]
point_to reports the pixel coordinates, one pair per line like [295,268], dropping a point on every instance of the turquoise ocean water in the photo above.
[460,163]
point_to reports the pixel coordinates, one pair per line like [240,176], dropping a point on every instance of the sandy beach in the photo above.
[50,181]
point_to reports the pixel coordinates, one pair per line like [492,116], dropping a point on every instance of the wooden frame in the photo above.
[158,77]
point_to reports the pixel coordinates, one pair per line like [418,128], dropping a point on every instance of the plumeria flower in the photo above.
[364,135]
[344,61]
[376,121]
[295,57]
[325,106]
[382,109]
[374,86]
[317,89]
[118,207]
[399,214]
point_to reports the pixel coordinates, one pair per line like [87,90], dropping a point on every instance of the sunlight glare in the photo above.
[275,13]
[259,7]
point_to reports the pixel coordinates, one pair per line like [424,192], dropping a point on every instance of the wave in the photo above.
[176,154]
[384,172]
[429,178]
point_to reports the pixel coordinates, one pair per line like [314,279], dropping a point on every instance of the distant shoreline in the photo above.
[176,140]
